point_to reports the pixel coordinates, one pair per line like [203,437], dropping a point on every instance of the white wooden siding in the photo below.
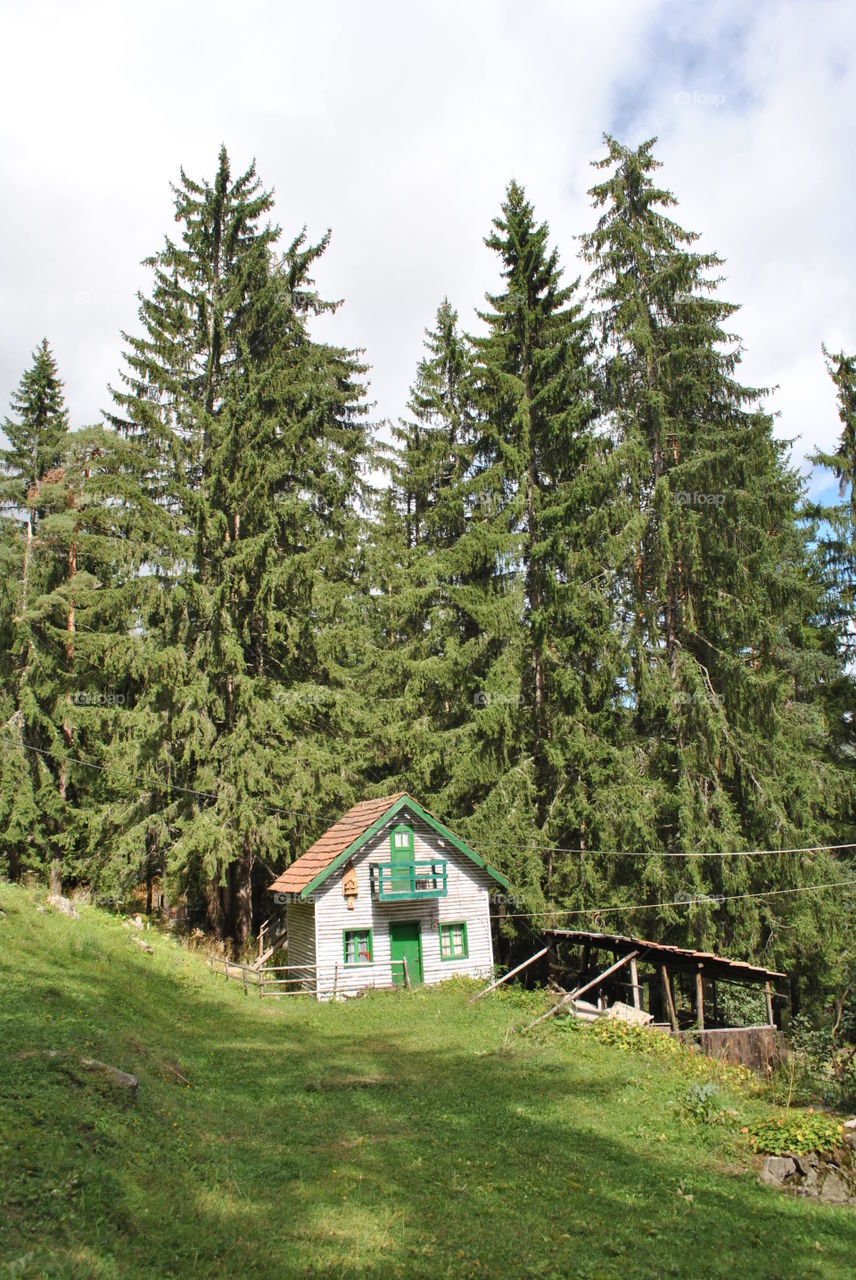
[300,918]
[467,900]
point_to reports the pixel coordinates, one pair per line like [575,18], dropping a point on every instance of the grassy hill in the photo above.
[391,1136]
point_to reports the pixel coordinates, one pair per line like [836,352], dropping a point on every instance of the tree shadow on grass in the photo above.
[356,1141]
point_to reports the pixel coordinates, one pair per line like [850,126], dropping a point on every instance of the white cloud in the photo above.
[399,126]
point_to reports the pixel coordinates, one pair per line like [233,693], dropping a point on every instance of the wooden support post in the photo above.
[670,1002]
[510,974]
[595,982]
[244,976]
[699,1000]
[769,997]
[634,978]
[335,980]
[406,973]
[580,991]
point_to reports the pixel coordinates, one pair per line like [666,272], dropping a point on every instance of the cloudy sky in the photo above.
[399,125]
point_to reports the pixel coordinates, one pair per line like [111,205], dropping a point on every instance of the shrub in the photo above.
[704,1103]
[795,1133]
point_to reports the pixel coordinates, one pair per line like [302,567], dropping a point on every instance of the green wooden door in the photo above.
[405,943]
[401,851]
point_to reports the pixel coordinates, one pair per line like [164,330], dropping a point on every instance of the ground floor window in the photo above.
[453,942]
[358,946]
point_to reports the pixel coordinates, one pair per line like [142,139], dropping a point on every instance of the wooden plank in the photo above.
[283,968]
[595,982]
[580,991]
[769,998]
[406,973]
[699,988]
[511,973]
[670,1003]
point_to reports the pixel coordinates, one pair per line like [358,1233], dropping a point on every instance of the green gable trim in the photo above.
[406,802]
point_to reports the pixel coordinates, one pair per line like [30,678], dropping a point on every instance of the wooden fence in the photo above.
[302,979]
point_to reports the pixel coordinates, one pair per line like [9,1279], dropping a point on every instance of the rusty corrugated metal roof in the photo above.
[615,941]
[334,841]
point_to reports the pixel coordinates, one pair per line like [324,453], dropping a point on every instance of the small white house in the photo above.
[388,895]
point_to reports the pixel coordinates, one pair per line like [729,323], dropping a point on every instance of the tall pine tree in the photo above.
[254,443]
[36,431]
[718,601]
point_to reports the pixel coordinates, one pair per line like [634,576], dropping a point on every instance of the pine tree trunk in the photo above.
[242,899]
[25,580]
[67,729]
[214,908]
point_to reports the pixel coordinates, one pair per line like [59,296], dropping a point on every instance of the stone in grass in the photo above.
[833,1189]
[850,1132]
[65,905]
[144,946]
[122,1079]
[808,1166]
[777,1169]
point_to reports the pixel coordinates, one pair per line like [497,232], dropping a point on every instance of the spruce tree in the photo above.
[540,450]
[420,680]
[492,502]
[36,432]
[718,603]
[254,442]
[836,522]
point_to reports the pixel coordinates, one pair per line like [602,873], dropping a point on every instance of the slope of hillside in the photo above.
[391,1136]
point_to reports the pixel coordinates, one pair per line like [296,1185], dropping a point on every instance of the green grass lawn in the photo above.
[395,1135]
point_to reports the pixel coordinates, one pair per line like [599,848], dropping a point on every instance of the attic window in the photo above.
[401,844]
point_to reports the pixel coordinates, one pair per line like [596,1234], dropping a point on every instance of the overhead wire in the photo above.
[701,900]
[691,855]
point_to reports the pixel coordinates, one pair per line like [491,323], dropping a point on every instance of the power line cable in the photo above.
[708,899]
[689,855]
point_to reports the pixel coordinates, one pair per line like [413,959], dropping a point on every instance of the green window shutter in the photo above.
[453,941]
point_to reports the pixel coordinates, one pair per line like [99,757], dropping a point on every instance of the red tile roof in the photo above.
[334,841]
[665,951]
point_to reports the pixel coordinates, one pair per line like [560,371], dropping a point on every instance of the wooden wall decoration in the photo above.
[350,888]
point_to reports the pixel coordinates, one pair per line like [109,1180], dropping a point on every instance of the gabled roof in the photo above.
[677,957]
[351,832]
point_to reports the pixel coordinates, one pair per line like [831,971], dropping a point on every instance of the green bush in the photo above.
[795,1133]
[703,1102]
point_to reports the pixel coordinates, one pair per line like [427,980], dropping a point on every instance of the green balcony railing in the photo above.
[404,881]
